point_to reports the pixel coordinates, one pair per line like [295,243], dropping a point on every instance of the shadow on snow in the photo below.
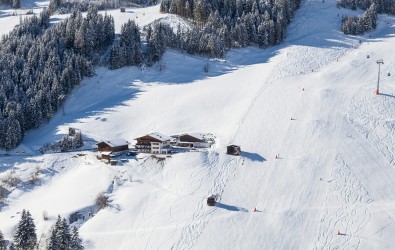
[230,208]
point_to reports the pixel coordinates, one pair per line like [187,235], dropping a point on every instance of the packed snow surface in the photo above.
[309,100]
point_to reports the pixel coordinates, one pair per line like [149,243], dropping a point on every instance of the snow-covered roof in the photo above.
[199,136]
[160,137]
[116,142]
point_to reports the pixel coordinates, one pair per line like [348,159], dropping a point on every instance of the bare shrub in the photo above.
[102,200]
[158,159]
[34,177]
[3,193]
[11,179]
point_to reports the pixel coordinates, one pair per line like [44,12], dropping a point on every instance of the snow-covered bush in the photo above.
[25,237]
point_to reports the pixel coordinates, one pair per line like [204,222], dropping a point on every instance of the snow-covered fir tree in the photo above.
[127,51]
[53,243]
[2,242]
[60,237]
[76,242]
[25,237]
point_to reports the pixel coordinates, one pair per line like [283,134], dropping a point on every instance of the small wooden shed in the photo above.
[233,150]
[211,201]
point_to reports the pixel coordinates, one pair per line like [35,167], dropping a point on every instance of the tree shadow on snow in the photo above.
[55,20]
[4,14]
[230,208]
[181,68]
[252,156]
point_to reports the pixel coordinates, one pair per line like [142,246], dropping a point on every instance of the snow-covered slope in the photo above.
[10,17]
[336,166]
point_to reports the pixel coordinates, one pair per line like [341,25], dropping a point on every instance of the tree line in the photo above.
[25,237]
[382,6]
[357,25]
[224,24]
[68,6]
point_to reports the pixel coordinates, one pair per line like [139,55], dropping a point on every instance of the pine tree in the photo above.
[76,242]
[25,237]
[61,238]
[63,235]
[53,243]
[14,133]
[78,140]
[130,43]
[12,246]
[2,242]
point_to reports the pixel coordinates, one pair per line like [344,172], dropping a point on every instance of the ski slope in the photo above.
[335,171]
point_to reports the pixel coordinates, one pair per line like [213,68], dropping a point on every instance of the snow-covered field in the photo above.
[336,166]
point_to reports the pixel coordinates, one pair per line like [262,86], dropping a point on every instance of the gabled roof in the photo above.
[198,136]
[116,142]
[157,136]
[160,137]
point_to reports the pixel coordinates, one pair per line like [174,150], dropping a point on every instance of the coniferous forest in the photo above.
[224,24]
[68,6]
[40,65]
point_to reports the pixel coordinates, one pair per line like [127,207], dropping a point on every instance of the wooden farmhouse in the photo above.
[192,140]
[154,143]
[108,149]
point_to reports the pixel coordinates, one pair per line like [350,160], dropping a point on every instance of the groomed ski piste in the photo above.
[309,100]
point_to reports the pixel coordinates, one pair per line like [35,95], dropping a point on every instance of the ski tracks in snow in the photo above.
[347,210]
[374,117]
[193,229]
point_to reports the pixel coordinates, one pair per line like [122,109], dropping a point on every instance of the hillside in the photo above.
[310,100]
